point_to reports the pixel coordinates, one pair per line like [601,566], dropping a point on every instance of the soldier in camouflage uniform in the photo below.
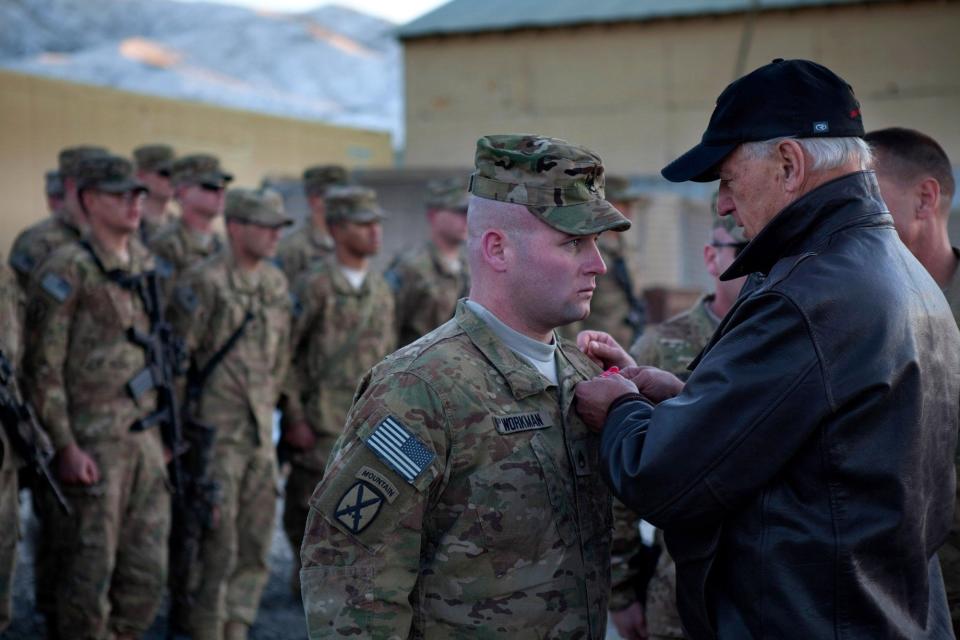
[35,243]
[237,293]
[917,183]
[312,241]
[615,307]
[154,163]
[79,359]
[199,185]
[10,341]
[344,326]
[670,346]
[463,499]
[427,283]
[54,190]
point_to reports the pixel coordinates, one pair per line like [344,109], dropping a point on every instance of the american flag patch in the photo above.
[401,450]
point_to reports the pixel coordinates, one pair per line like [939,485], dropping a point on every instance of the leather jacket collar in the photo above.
[808,220]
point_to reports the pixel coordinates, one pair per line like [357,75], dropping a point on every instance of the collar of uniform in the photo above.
[850,200]
[340,283]
[520,376]
[240,280]
[952,290]
[136,252]
[320,238]
[64,220]
[439,263]
[703,319]
[193,241]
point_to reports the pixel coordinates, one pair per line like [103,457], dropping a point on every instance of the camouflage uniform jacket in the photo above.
[338,334]
[177,248]
[78,357]
[300,250]
[10,343]
[209,304]
[426,291]
[494,523]
[37,242]
[609,307]
[671,346]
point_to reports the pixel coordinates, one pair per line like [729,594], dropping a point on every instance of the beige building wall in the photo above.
[39,116]
[640,94]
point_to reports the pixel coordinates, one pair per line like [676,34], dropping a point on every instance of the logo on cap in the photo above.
[821,127]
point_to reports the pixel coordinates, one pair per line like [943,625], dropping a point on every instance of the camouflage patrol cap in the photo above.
[109,173]
[157,158]
[317,179]
[70,157]
[560,183]
[352,204]
[254,207]
[448,193]
[619,189]
[199,168]
[53,183]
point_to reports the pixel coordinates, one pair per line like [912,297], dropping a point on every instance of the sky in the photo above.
[399,11]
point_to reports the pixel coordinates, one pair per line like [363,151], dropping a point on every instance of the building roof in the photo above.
[471,16]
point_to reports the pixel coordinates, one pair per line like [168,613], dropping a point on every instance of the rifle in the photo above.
[26,437]
[165,355]
[193,514]
[636,317]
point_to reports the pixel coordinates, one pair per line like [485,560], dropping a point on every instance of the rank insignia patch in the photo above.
[358,507]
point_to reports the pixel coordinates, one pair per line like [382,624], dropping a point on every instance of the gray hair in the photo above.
[827,153]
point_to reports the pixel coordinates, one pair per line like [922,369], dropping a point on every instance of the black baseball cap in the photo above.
[786,98]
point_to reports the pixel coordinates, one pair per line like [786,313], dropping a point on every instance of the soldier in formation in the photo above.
[616,307]
[917,184]
[300,250]
[84,305]
[464,496]
[65,225]
[233,312]
[427,282]
[10,349]
[154,163]
[644,600]
[199,186]
[343,324]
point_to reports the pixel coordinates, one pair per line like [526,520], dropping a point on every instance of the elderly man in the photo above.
[464,499]
[804,473]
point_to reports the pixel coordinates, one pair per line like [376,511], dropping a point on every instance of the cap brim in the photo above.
[119,186]
[698,164]
[583,219]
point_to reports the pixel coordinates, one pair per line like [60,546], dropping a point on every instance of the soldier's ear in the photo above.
[493,248]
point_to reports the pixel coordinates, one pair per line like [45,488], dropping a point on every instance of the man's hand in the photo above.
[655,384]
[604,350]
[75,466]
[594,398]
[631,623]
[300,436]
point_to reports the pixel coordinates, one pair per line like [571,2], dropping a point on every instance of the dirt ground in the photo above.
[280,616]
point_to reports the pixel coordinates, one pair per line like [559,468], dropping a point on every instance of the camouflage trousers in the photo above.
[9,535]
[113,548]
[233,555]
[950,566]
[306,471]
